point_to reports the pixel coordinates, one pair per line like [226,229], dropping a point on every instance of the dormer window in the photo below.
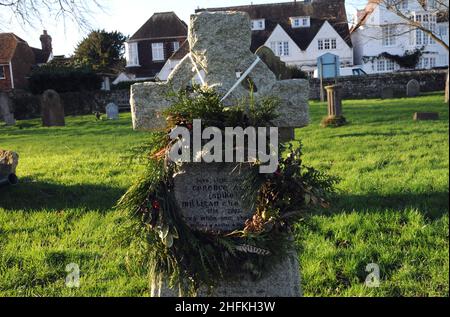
[300,22]
[258,25]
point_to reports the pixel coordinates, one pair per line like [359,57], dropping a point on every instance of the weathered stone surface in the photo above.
[112,111]
[210,196]
[148,101]
[5,109]
[413,88]
[293,95]
[52,109]
[8,162]
[220,56]
[334,100]
[283,281]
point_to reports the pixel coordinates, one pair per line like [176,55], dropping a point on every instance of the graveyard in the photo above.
[390,206]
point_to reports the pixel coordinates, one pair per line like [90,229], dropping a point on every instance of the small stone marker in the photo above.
[334,100]
[112,111]
[5,109]
[413,88]
[8,162]
[52,109]
[209,195]
[425,116]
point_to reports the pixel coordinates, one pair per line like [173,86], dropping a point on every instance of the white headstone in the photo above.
[112,111]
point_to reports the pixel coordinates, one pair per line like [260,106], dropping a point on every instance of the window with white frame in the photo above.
[404,4]
[428,21]
[390,65]
[381,65]
[132,54]
[443,30]
[301,22]
[280,48]
[426,63]
[175,46]
[389,35]
[2,72]
[258,25]
[158,51]
[326,44]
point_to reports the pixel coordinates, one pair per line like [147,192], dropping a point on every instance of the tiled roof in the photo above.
[8,44]
[161,25]
[319,11]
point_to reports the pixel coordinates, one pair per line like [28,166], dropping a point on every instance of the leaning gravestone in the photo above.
[208,194]
[413,88]
[112,111]
[5,110]
[52,109]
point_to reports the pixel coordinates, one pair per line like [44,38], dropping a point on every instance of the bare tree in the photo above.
[437,8]
[30,12]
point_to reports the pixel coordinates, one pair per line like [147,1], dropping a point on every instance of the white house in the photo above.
[298,32]
[380,37]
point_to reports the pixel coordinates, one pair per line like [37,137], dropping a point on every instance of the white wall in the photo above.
[307,59]
[367,40]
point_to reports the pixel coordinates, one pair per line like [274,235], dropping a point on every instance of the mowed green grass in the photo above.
[391,207]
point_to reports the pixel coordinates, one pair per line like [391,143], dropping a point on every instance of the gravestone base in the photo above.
[210,198]
[283,281]
[426,116]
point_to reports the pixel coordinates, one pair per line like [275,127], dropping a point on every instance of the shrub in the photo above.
[63,79]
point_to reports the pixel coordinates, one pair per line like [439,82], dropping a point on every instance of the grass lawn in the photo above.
[391,208]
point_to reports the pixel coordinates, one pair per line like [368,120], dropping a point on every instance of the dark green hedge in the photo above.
[63,79]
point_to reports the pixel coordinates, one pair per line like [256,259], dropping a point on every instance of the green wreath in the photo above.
[190,259]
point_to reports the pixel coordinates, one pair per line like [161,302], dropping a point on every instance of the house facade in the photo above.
[17,59]
[298,32]
[380,34]
[150,47]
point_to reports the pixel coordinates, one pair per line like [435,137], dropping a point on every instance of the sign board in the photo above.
[328,65]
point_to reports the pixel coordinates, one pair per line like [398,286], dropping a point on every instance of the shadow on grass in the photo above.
[432,205]
[38,196]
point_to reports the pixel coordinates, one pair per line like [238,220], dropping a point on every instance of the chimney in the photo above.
[46,42]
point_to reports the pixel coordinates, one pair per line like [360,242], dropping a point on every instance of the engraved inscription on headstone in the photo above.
[210,196]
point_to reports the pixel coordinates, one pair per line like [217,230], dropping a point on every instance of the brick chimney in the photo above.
[46,42]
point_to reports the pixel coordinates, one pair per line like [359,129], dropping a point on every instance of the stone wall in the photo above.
[377,85]
[28,106]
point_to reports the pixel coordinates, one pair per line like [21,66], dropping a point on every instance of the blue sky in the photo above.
[125,16]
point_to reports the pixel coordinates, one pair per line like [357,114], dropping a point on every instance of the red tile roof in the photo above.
[8,44]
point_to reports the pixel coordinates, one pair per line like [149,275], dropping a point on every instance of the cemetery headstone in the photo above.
[425,116]
[52,109]
[209,194]
[413,88]
[334,99]
[112,111]
[387,93]
[5,110]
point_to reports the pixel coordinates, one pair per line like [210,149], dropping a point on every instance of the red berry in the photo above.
[156,205]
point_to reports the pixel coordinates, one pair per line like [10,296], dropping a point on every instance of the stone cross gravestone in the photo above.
[413,88]
[5,110]
[52,109]
[112,111]
[209,194]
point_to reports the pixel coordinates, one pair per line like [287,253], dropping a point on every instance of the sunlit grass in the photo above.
[391,208]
